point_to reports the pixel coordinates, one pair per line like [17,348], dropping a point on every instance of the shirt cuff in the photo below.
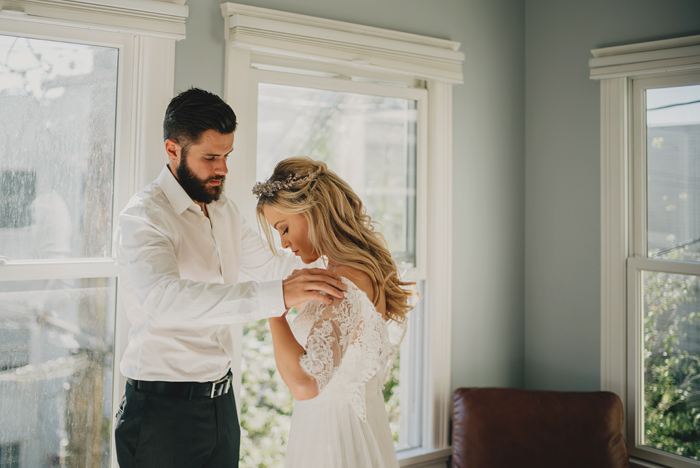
[271,298]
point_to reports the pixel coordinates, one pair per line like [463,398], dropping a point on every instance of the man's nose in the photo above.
[221,167]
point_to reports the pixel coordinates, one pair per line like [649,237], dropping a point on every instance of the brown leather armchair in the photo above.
[511,428]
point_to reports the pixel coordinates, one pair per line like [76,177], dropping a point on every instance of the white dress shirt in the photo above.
[178,282]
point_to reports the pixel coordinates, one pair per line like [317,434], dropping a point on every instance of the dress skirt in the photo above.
[328,433]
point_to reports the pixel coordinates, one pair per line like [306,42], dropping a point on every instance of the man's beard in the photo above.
[195,187]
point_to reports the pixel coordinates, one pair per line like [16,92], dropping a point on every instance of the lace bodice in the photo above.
[348,344]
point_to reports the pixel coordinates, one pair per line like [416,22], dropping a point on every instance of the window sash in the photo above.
[245,175]
[636,266]
[639,151]
[331,84]
[123,160]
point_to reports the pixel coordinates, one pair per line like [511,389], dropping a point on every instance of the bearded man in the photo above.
[180,247]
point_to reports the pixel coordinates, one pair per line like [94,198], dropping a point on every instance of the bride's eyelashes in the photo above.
[285,231]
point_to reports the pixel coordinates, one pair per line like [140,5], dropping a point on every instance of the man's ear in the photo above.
[174,150]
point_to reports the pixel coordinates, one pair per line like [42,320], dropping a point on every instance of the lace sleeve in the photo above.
[328,340]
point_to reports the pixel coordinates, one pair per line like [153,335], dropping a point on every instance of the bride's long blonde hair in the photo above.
[339,227]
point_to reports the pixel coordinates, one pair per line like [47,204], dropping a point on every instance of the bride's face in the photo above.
[294,232]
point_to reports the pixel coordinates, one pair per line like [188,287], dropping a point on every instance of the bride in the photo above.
[334,358]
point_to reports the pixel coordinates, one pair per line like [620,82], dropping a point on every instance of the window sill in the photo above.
[638,463]
[419,457]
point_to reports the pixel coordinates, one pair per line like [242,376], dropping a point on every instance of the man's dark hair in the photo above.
[193,112]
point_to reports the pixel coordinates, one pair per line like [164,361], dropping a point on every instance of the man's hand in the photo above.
[308,284]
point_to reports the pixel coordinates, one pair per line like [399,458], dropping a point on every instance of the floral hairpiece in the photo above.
[269,187]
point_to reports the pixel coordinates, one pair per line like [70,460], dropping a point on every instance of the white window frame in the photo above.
[625,72]
[145,33]
[255,35]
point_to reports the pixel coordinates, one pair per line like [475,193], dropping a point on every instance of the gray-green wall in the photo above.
[526,215]
[562,175]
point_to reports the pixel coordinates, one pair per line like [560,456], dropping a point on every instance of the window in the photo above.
[369,134]
[9,456]
[57,172]
[375,105]
[651,246]
[72,150]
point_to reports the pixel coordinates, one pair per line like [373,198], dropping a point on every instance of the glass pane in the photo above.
[673,173]
[369,141]
[266,403]
[57,130]
[403,391]
[672,363]
[56,364]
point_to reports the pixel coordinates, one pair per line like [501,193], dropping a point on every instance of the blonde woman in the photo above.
[334,358]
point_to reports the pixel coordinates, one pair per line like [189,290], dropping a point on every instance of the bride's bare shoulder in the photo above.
[361,279]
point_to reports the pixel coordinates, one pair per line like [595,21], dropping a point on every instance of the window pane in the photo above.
[9,456]
[57,353]
[57,130]
[266,403]
[673,173]
[672,363]
[403,391]
[369,141]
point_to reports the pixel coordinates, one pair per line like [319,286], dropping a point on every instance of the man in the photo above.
[180,247]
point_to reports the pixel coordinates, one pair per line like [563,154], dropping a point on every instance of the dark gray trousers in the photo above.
[158,431]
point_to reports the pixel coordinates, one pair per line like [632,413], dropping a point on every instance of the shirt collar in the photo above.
[176,194]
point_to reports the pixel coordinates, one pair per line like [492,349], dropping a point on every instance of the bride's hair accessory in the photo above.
[269,187]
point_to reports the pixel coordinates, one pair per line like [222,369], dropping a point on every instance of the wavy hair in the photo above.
[339,227]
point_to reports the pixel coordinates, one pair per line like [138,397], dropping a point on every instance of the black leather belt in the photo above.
[185,389]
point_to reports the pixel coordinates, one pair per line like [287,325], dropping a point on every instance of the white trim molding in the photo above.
[357,46]
[646,58]
[439,266]
[614,174]
[138,17]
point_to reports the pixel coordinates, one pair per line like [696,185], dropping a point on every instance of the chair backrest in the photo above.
[508,428]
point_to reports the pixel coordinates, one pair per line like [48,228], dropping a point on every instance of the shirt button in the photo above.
[273,310]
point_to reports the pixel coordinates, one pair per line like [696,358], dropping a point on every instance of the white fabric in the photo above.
[349,351]
[178,282]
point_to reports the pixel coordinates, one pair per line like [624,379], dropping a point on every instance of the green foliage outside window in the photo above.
[671,364]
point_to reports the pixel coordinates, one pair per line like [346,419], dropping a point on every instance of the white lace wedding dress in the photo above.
[349,350]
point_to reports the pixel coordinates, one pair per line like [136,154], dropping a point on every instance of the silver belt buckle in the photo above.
[224,390]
